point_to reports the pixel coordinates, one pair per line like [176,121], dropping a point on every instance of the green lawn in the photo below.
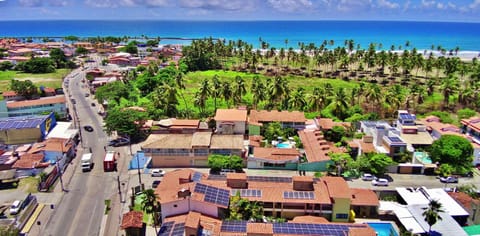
[53,80]
[29,184]
[147,218]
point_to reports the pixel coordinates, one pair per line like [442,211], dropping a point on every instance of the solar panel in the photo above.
[299,195]
[165,229]
[234,226]
[213,194]
[310,229]
[395,139]
[196,176]
[247,192]
[21,122]
[270,179]
[178,230]
[200,188]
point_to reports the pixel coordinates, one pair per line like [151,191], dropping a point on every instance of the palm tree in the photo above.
[431,213]
[227,93]
[238,89]
[258,91]
[374,94]
[449,86]
[149,205]
[317,99]
[215,90]
[297,100]
[181,85]
[339,103]
[277,89]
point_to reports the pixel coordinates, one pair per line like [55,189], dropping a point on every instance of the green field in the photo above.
[52,80]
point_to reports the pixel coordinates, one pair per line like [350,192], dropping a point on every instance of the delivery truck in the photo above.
[87,162]
[110,161]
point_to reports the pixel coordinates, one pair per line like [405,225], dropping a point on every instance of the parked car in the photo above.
[157,173]
[156,183]
[88,128]
[119,142]
[380,182]
[15,208]
[449,179]
[368,177]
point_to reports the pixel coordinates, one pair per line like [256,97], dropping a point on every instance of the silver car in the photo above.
[380,182]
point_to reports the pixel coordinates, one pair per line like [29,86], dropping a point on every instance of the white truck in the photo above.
[87,162]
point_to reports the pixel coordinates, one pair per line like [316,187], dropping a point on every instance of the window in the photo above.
[342,216]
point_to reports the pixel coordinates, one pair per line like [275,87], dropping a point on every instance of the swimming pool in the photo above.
[422,157]
[383,229]
[284,145]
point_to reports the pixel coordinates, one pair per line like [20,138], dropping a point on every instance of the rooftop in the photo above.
[132,219]
[36,102]
[276,116]
[27,161]
[316,147]
[422,196]
[22,122]
[231,115]
[276,154]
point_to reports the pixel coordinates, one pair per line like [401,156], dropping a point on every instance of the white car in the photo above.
[380,182]
[157,173]
[15,208]
[368,177]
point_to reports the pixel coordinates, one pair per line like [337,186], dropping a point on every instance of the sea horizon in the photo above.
[421,35]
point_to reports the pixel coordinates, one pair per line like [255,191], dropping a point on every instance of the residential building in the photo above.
[176,126]
[132,223]
[55,150]
[29,164]
[385,138]
[471,205]
[317,150]
[437,129]
[26,129]
[34,106]
[287,119]
[185,190]
[195,223]
[11,96]
[273,158]
[414,134]
[324,124]
[192,149]
[231,121]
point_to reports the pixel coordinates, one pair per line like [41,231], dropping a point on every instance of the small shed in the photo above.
[132,223]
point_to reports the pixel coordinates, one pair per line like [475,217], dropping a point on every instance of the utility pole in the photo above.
[61,173]
[119,189]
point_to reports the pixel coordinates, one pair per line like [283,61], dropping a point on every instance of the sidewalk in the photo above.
[52,201]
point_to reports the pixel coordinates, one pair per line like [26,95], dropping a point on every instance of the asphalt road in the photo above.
[82,206]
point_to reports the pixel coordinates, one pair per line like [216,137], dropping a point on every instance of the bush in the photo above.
[466,113]
[444,116]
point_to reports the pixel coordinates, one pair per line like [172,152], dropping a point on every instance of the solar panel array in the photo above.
[270,179]
[247,192]
[214,195]
[196,176]
[165,229]
[395,139]
[406,116]
[21,123]
[310,229]
[178,230]
[299,195]
[234,226]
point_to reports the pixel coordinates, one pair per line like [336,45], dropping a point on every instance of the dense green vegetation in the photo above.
[455,154]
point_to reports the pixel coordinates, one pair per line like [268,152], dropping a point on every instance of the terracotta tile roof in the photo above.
[366,147]
[237,176]
[337,187]
[167,190]
[52,144]
[310,219]
[327,123]
[473,122]
[464,199]
[206,223]
[162,141]
[316,147]
[276,154]
[27,161]
[444,129]
[364,197]
[367,231]
[193,220]
[231,115]
[9,94]
[255,140]
[19,58]
[219,141]
[299,178]
[36,102]
[132,219]
[259,228]
[185,123]
[49,90]
[276,116]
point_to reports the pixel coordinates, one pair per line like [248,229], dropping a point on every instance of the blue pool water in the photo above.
[423,157]
[283,145]
[384,229]
[134,163]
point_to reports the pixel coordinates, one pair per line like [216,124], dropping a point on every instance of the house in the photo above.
[132,223]
[273,158]
[437,129]
[325,124]
[11,96]
[177,126]
[55,150]
[231,121]
[26,129]
[471,205]
[20,52]
[185,190]
[191,149]
[29,164]
[414,134]
[317,150]
[194,223]
[287,119]
[384,138]
[41,105]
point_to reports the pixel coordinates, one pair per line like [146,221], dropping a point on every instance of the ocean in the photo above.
[420,35]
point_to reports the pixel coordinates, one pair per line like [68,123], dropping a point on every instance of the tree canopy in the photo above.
[37,65]
[125,122]
[375,163]
[454,150]
[218,162]
[24,88]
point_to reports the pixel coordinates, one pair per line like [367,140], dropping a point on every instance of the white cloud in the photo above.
[475,4]
[292,5]
[229,5]
[30,3]
[387,4]
[428,4]
[126,3]
[354,5]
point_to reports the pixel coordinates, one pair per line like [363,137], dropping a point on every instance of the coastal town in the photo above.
[217,138]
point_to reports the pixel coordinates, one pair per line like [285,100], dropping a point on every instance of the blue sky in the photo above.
[421,10]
